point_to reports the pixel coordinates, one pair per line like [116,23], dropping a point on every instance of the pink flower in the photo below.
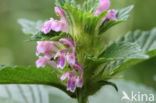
[111,15]
[68,54]
[75,77]
[56,25]
[47,26]
[48,48]
[63,50]
[43,61]
[104,5]
[60,13]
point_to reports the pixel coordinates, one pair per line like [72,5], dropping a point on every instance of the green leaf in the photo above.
[90,6]
[145,39]
[121,51]
[108,24]
[104,83]
[147,43]
[81,22]
[31,75]
[30,27]
[54,36]
[122,15]
[61,3]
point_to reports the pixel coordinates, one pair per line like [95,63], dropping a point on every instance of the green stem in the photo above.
[81,96]
[83,100]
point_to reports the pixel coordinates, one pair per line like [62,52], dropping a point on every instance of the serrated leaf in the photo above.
[54,36]
[121,51]
[146,41]
[123,14]
[30,27]
[31,75]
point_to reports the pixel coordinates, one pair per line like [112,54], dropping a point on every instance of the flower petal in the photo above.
[104,5]
[60,13]
[57,26]
[42,61]
[61,62]
[71,58]
[47,48]
[77,67]
[80,81]
[47,26]
[65,75]
[111,15]
[68,43]
[71,85]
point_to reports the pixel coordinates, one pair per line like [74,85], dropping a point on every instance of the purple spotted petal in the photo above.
[71,58]
[104,5]
[42,61]
[71,85]
[61,62]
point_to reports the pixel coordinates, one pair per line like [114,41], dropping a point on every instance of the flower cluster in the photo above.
[62,53]
[58,55]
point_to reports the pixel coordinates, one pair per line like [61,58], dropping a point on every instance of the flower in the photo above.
[42,61]
[48,48]
[75,77]
[60,13]
[111,15]
[68,54]
[56,25]
[104,5]
[64,50]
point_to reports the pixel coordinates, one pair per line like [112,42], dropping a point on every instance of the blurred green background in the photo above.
[14,50]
